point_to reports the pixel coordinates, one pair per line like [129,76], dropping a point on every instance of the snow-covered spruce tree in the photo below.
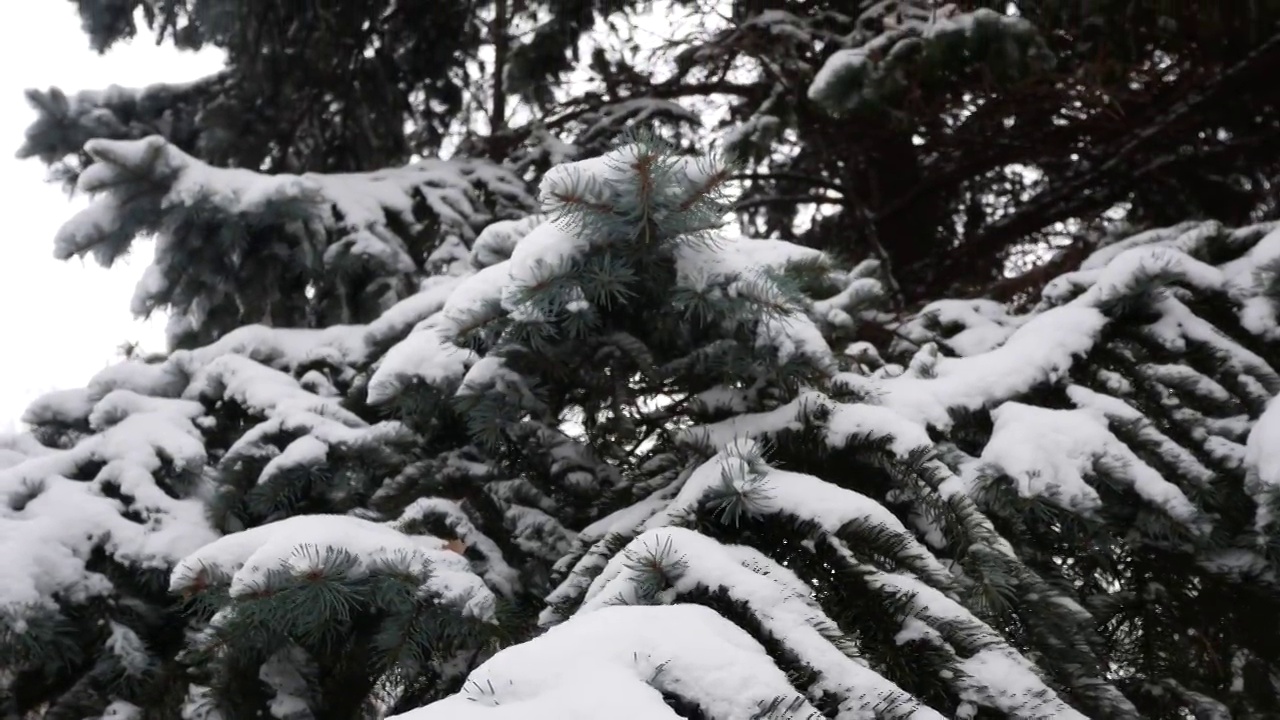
[663,445]
[267,428]
[1069,513]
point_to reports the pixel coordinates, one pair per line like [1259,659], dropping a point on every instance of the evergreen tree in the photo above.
[1008,523]
[430,445]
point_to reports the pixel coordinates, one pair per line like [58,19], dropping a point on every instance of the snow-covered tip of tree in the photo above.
[234,247]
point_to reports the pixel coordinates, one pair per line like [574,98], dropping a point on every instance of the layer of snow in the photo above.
[806,497]
[303,546]
[616,663]
[794,621]
[1041,351]
[1049,453]
[983,324]
[1262,463]
[500,576]
[859,74]
[52,518]
[994,674]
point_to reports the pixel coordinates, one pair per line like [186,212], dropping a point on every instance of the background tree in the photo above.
[1014,132]
[966,133]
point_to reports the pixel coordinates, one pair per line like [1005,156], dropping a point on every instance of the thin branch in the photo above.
[809,180]
[1079,189]
[749,203]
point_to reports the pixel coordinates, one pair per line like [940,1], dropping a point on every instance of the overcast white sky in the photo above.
[60,322]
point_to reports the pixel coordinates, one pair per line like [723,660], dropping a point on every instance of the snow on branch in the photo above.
[226,236]
[621,663]
[105,491]
[132,491]
[662,562]
[1262,463]
[314,590]
[1048,452]
[260,560]
[497,572]
[1044,349]
[66,122]
[262,367]
[898,45]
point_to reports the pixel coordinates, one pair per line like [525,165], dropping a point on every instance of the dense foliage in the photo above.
[532,431]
